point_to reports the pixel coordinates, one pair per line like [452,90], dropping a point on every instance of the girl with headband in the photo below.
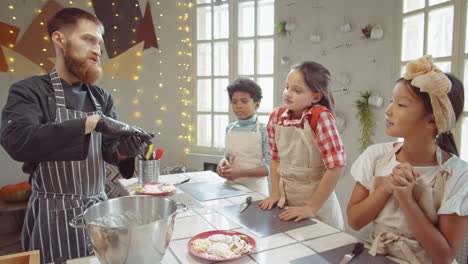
[415,192]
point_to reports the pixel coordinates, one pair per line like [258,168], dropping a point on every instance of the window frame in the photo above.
[458,56]
[233,54]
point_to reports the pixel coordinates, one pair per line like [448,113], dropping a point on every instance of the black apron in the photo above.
[61,190]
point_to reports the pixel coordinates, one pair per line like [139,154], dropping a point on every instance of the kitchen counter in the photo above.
[278,248]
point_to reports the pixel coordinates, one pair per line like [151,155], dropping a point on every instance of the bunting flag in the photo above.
[125,66]
[19,66]
[146,30]
[121,21]
[8,36]
[35,43]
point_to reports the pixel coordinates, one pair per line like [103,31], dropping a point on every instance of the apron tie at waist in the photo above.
[384,239]
[87,200]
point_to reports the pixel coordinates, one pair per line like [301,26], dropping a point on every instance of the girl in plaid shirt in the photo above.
[307,155]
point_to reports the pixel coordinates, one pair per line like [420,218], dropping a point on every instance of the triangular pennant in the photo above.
[125,66]
[146,30]
[8,36]
[35,43]
[20,66]
[121,21]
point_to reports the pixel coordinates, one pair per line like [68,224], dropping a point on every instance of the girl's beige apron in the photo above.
[245,151]
[391,234]
[301,169]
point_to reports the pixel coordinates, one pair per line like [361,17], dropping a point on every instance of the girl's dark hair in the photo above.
[456,96]
[67,17]
[317,78]
[245,85]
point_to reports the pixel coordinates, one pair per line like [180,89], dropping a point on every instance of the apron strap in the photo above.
[439,181]
[383,161]
[58,90]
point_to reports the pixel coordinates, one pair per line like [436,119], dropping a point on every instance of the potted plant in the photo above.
[281,28]
[366,118]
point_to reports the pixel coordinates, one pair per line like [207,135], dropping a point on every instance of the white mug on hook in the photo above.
[375,100]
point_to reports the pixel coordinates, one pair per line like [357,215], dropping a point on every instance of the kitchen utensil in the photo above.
[207,234]
[148,171]
[159,153]
[358,248]
[245,204]
[182,181]
[130,229]
[148,152]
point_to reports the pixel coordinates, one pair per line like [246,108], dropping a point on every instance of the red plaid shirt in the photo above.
[324,127]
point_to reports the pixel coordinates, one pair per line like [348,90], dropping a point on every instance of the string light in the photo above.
[185,75]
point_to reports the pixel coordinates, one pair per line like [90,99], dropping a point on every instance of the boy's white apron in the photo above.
[301,169]
[246,152]
[399,242]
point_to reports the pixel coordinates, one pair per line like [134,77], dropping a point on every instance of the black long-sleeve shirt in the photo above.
[28,131]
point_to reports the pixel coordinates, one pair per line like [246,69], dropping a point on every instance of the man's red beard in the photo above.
[81,67]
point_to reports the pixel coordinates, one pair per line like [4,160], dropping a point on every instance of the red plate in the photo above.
[137,191]
[223,232]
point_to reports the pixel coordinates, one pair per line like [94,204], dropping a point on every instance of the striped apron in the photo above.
[61,190]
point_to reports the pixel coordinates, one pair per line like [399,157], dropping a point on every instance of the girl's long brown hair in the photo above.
[317,77]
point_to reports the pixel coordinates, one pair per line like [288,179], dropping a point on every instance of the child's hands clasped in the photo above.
[224,169]
[222,165]
[404,178]
[231,173]
[297,213]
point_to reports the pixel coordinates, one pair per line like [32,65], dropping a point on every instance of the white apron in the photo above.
[245,151]
[301,169]
[399,242]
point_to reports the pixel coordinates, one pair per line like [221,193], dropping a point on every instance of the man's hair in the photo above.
[245,85]
[69,17]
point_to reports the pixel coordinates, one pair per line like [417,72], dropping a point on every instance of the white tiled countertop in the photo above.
[277,248]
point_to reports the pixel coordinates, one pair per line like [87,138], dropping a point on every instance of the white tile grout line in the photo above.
[174,255]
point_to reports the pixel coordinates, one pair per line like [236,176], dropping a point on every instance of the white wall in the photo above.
[369,63]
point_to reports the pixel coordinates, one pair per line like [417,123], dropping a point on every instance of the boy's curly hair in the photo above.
[247,85]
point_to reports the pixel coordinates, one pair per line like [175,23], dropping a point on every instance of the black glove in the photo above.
[109,126]
[131,146]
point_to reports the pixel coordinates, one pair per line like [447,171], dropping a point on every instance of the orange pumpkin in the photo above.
[16,192]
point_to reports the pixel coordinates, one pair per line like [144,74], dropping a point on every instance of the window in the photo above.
[233,38]
[429,27]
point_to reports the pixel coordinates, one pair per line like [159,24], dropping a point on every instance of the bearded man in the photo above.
[64,128]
